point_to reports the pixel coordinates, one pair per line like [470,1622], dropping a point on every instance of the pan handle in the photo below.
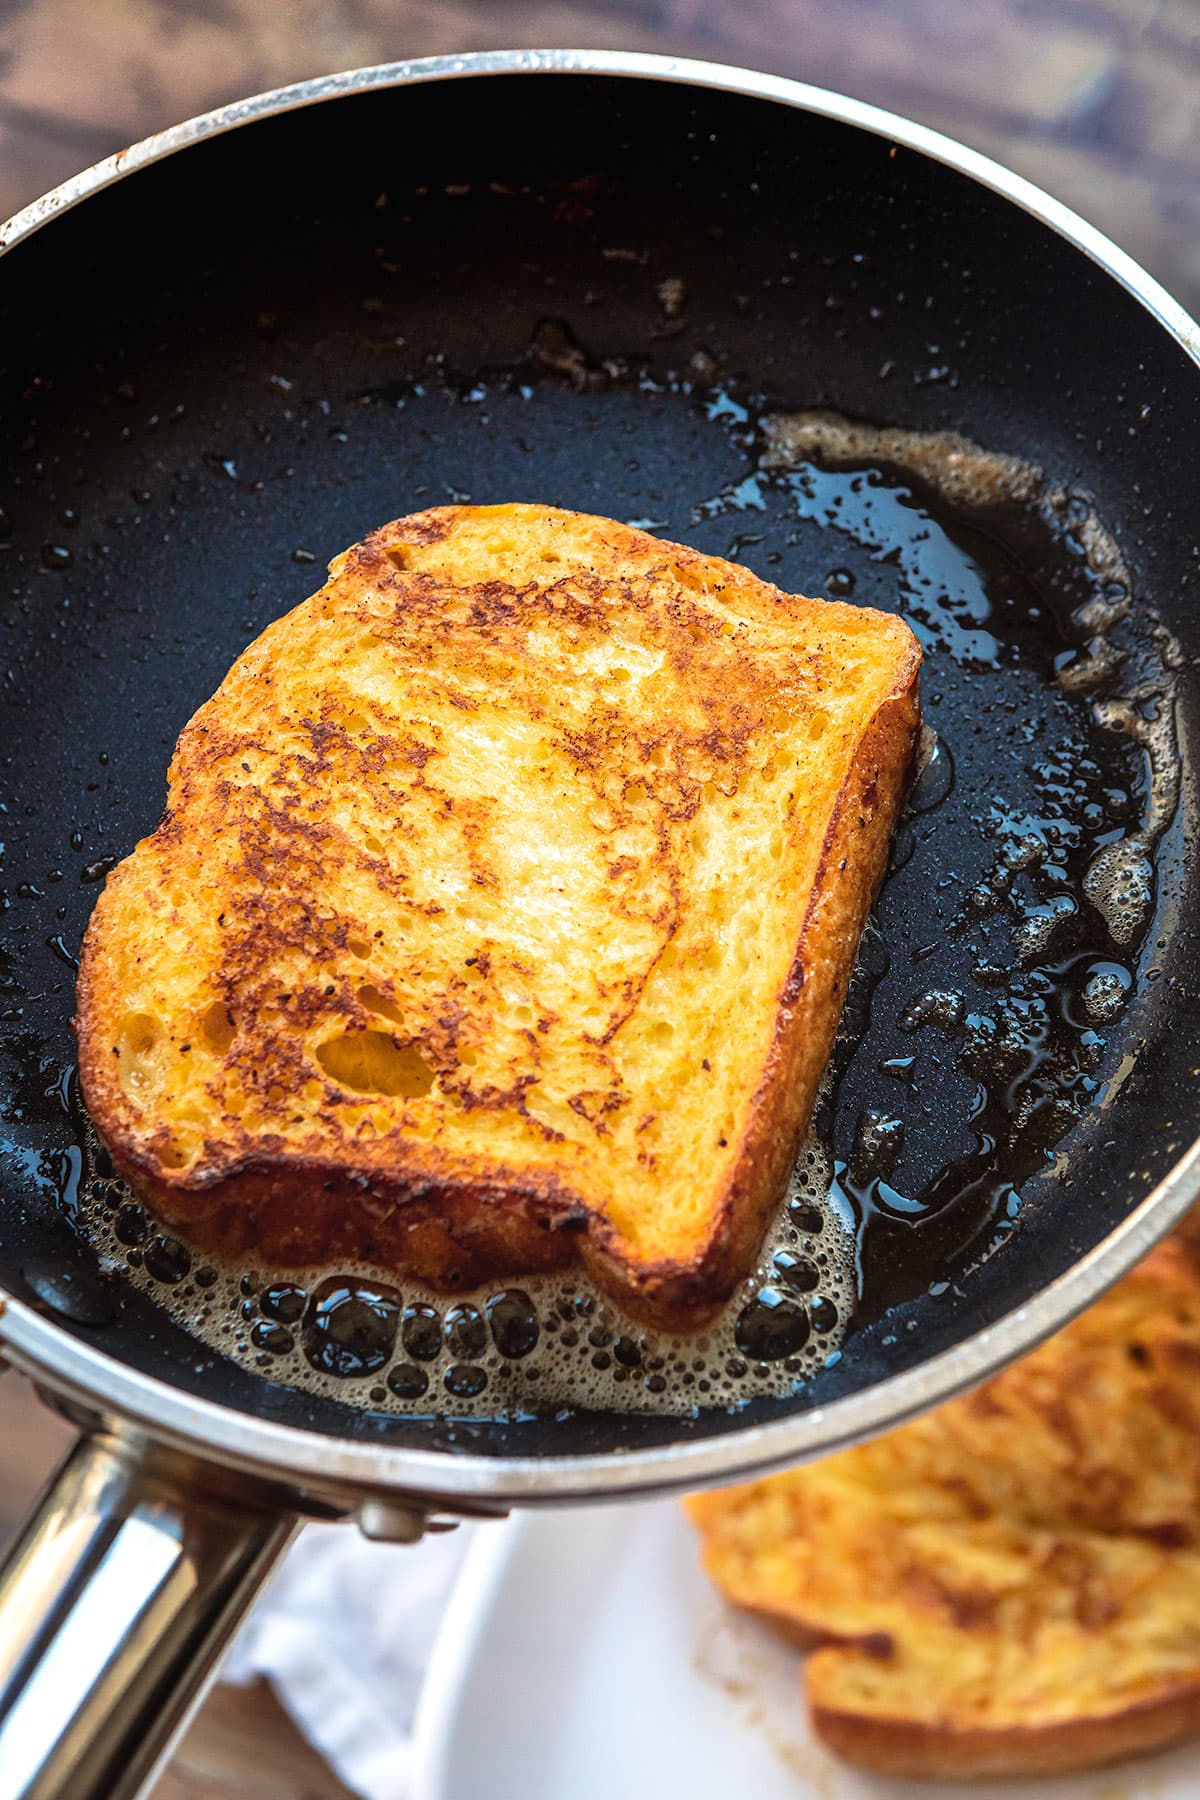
[115,1604]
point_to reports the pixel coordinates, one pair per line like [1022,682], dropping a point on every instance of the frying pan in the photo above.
[230,351]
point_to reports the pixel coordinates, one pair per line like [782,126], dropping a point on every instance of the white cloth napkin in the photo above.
[344,1632]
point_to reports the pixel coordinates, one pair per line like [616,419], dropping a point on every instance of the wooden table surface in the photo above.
[1097,100]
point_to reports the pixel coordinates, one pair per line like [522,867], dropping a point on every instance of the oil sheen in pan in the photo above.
[504,1350]
[1028,854]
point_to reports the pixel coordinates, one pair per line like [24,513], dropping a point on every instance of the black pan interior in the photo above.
[212,375]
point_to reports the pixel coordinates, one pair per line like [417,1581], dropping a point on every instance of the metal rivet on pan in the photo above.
[388,1522]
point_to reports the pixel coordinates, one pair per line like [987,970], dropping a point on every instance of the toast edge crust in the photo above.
[455,1231]
[806,1022]
[911,1750]
[919,1752]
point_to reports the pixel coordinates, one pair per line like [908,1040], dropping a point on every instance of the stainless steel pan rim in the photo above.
[318,1464]
[323,1466]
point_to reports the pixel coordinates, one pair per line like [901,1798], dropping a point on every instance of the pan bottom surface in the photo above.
[1001,985]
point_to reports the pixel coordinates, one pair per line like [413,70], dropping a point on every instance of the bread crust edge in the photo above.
[918,1751]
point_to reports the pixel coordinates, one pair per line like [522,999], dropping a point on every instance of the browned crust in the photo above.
[851,871]
[939,1750]
[853,863]
[417,1212]
[946,1750]
[794,1631]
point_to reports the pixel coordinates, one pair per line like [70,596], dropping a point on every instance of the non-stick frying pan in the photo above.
[579,278]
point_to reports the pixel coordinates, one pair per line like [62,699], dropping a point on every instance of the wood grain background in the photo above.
[1097,100]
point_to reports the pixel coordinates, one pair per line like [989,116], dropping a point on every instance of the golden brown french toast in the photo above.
[1011,1585]
[502,911]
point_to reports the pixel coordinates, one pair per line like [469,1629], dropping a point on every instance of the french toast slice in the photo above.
[502,911]
[1009,1586]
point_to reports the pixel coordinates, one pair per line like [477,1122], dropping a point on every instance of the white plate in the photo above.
[585,1657]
